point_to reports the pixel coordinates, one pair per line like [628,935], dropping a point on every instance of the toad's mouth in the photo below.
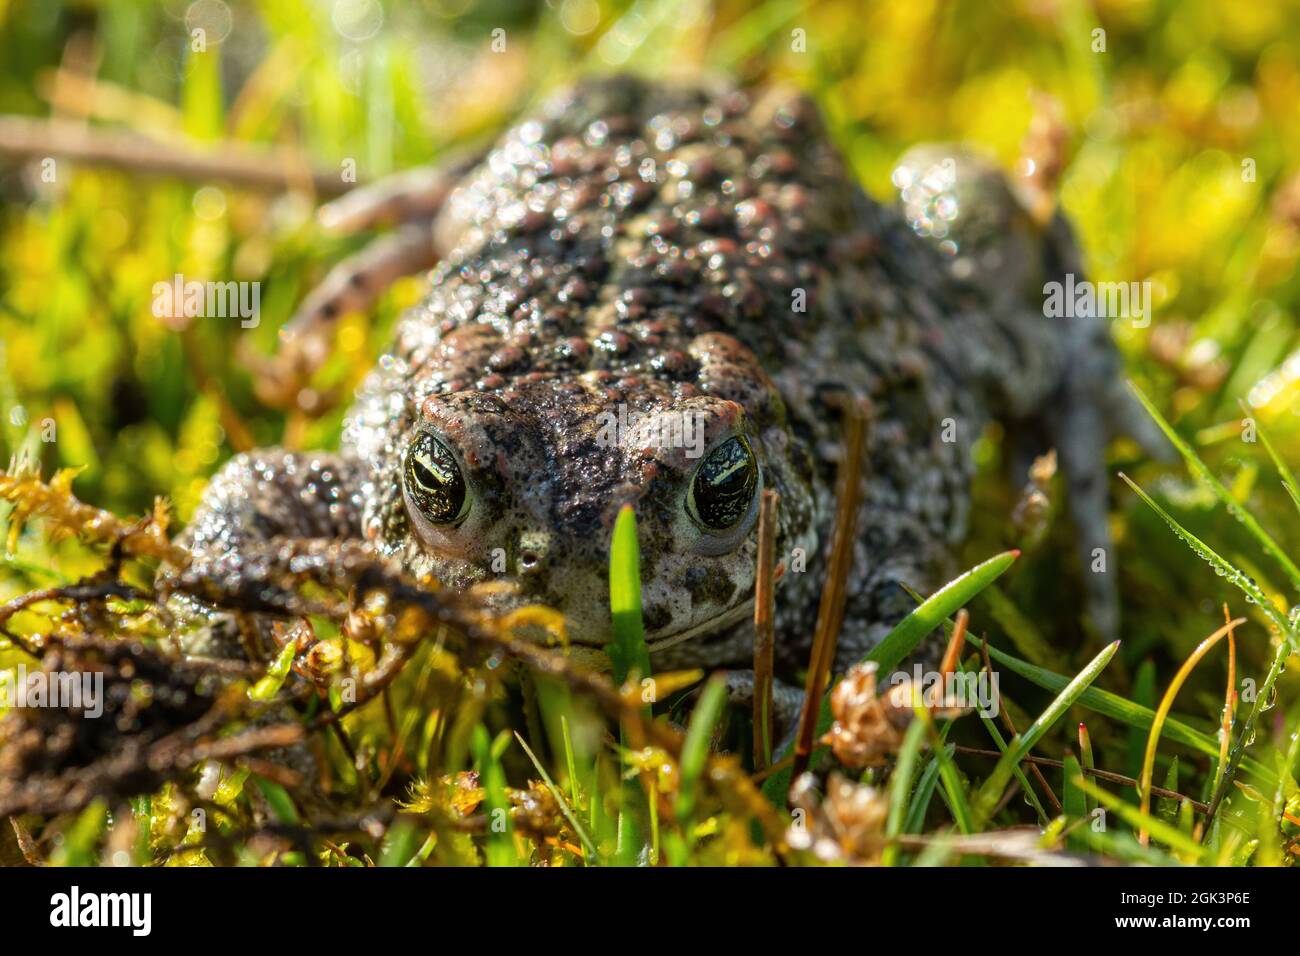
[656,642]
[717,623]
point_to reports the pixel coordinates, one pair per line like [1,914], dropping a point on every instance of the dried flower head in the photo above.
[847,826]
[1033,510]
[535,812]
[868,728]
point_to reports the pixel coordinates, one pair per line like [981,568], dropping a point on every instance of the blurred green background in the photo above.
[1176,126]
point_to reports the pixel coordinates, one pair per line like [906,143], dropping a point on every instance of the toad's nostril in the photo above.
[533,548]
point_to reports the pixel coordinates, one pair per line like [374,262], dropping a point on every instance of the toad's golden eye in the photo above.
[723,486]
[434,482]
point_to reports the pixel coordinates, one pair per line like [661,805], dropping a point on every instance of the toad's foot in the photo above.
[787,701]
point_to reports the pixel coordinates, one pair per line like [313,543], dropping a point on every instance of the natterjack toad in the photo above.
[662,296]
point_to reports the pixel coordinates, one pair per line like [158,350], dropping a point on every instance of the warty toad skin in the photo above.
[678,258]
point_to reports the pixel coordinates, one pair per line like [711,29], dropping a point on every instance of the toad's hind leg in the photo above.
[1039,372]
[1093,404]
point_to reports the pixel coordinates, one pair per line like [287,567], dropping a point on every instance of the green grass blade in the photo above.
[695,754]
[1112,705]
[920,804]
[628,656]
[1286,773]
[934,610]
[1295,496]
[1143,694]
[570,761]
[1022,743]
[270,683]
[201,98]
[500,839]
[1285,473]
[695,748]
[900,784]
[1202,471]
[587,843]
[278,797]
[1221,567]
[82,838]
[628,652]
[1186,817]
[1075,804]
[1124,846]
[1167,807]
[400,843]
[1166,834]
[958,802]
[991,726]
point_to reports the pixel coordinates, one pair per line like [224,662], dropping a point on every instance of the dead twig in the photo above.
[764,632]
[25,138]
[830,612]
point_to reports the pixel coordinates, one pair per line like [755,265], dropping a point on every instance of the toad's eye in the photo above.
[723,486]
[434,482]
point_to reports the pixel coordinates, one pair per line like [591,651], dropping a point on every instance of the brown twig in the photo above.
[370,686]
[830,612]
[261,738]
[26,845]
[955,643]
[25,138]
[284,776]
[764,631]
[85,591]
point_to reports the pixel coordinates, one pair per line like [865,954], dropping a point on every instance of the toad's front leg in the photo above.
[254,504]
